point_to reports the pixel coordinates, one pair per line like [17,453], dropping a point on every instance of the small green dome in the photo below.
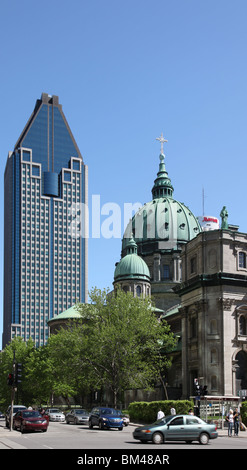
[69,314]
[131,265]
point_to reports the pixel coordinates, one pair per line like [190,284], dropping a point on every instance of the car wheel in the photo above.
[158,438]
[203,439]
[90,425]
[120,429]
[101,426]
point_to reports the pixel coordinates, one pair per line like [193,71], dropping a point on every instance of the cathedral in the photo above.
[196,274]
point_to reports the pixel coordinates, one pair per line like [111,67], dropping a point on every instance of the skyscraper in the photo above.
[45,262]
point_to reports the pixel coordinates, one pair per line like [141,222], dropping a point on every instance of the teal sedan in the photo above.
[186,428]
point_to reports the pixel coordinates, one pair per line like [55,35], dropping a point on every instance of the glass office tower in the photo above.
[45,262]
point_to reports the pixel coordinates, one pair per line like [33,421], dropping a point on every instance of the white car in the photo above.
[126,420]
[55,414]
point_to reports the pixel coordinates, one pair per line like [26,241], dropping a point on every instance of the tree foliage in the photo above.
[118,344]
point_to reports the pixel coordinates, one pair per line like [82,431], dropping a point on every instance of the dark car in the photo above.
[15,409]
[77,417]
[177,428]
[30,421]
[106,418]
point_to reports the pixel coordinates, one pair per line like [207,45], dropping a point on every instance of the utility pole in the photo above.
[12,383]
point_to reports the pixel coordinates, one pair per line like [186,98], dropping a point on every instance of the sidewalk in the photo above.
[5,438]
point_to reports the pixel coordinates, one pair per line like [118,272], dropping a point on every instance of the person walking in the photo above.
[230,420]
[236,419]
[160,414]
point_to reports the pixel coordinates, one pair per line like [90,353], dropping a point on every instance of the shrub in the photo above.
[243,412]
[142,411]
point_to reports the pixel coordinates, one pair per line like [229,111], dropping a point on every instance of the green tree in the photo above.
[39,375]
[125,341]
[66,351]
[17,351]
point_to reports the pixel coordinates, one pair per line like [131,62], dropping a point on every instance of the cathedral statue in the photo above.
[224,218]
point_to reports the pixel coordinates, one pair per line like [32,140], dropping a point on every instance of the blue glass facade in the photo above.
[46,270]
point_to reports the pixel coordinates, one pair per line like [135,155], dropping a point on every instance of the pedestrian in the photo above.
[160,414]
[236,419]
[191,412]
[172,411]
[230,420]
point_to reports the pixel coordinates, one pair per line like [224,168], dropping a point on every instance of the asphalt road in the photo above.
[64,436]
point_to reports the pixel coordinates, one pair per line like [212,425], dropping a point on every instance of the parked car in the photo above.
[55,414]
[15,409]
[28,420]
[1,415]
[77,417]
[177,428]
[106,418]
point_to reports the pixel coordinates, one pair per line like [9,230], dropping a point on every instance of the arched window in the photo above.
[138,291]
[242,259]
[241,371]
[193,327]
[242,325]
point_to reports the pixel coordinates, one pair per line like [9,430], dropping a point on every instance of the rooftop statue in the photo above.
[224,218]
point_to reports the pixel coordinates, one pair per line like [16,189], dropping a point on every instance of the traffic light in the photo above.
[18,373]
[10,379]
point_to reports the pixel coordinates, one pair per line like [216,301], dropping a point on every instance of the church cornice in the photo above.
[216,279]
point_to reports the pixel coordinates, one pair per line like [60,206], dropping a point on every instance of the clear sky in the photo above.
[125,71]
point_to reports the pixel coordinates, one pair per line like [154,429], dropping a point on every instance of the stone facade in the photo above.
[214,312]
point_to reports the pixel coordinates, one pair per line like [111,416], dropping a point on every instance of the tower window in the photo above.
[67,176]
[138,291]
[166,271]
[35,170]
[242,259]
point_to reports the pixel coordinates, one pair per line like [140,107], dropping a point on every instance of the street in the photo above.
[64,436]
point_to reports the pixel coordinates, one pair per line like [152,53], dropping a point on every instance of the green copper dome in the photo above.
[163,223]
[131,265]
[69,314]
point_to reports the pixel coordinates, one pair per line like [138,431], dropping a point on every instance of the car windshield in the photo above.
[55,410]
[31,414]
[110,411]
[164,420]
[80,412]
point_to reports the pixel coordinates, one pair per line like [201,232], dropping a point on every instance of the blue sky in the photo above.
[125,71]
